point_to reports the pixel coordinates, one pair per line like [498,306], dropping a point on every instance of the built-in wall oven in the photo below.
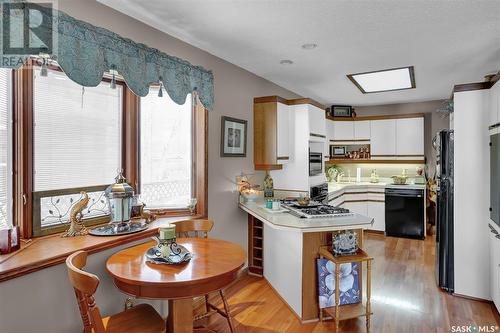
[315,163]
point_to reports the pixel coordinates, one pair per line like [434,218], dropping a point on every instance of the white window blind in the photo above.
[5,148]
[77,133]
[166,151]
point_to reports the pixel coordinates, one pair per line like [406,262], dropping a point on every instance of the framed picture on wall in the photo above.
[233,137]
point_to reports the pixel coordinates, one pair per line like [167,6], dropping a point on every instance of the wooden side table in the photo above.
[349,311]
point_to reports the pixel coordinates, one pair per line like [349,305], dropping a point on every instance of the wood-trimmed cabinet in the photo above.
[277,123]
[272,135]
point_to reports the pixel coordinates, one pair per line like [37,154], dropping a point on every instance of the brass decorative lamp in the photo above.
[119,197]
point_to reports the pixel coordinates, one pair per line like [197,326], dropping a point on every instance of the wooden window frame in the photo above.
[23,202]
[199,171]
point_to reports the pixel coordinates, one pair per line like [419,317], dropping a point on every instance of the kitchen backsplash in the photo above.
[383,170]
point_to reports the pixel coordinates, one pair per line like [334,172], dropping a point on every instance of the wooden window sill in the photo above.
[52,250]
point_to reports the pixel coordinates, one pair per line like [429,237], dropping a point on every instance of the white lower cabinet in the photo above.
[357,207]
[360,204]
[336,203]
[495,268]
[376,210]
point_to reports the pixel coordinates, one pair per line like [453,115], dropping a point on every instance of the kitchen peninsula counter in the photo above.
[287,221]
[283,248]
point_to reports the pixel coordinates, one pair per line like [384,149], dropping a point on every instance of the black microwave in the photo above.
[338,151]
[315,163]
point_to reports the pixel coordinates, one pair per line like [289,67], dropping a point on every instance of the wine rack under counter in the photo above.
[255,246]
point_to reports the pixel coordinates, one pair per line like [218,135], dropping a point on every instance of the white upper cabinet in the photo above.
[495,268]
[283,117]
[329,136]
[389,138]
[495,104]
[362,130]
[330,130]
[383,138]
[343,130]
[317,121]
[410,137]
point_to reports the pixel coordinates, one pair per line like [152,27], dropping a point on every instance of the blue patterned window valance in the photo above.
[85,52]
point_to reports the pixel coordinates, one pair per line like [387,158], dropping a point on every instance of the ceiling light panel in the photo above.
[384,80]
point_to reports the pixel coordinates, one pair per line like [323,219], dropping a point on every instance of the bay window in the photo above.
[70,138]
[5,148]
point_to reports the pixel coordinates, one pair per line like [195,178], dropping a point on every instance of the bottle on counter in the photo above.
[374,176]
[268,186]
[404,173]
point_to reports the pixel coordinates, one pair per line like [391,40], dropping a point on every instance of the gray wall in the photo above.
[46,294]
[433,122]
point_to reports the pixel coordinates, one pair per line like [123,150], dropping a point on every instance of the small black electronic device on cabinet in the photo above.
[344,111]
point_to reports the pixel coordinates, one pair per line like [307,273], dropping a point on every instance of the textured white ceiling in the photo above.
[448,42]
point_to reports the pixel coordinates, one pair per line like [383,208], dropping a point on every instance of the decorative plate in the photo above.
[153,256]
[109,230]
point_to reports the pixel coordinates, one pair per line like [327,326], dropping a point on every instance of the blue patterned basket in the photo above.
[348,284]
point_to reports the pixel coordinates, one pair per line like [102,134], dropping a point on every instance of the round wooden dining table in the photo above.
[215,264]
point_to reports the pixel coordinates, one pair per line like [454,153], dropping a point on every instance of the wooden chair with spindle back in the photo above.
[193,228]
[200,229]
[142,318]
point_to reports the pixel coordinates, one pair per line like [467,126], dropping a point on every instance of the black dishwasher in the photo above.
[404,213]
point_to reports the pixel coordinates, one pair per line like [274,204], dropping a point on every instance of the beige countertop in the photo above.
[288,221]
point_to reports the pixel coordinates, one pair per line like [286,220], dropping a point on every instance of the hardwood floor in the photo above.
[404,297]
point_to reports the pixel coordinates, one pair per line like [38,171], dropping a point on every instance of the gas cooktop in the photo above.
[315,210]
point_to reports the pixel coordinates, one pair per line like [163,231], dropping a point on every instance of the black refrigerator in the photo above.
[444,211]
